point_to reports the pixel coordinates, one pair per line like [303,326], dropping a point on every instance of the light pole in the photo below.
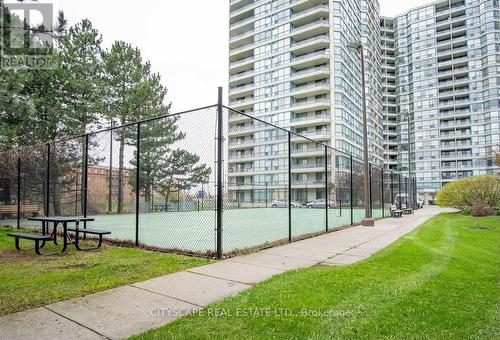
[409,199]
[357,46]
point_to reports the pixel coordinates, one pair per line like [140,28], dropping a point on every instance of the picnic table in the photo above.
[161,207]
[63,221]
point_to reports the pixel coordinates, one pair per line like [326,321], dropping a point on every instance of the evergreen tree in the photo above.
[181,170]
[132,92]
[157,138]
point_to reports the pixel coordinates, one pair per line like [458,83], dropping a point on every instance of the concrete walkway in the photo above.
[120,312]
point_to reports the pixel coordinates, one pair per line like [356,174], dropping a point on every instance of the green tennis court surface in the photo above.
[242,228]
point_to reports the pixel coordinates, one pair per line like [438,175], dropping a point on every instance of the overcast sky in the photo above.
[186,41]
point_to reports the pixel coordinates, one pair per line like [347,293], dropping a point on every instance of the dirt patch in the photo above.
[6,256]
[74,266]
[481,228]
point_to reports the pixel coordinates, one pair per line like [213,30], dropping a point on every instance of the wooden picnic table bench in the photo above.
[11,209]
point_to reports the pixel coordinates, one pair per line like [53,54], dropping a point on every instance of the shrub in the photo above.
[480,208]
[482,191]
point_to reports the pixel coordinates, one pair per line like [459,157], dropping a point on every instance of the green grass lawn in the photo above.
[441,281]
[28,280]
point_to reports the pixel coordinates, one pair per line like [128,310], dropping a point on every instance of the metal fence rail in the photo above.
[197,182]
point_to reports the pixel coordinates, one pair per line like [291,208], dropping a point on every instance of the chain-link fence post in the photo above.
[399,189]
[110,175]
[137,183]
[370,203]
[289,186]
[327,196]
[406,193]
[47,188]
[85,181]
[18,192]
[352,193]
[415,197]
[382,191]
[392,188]
[220,139]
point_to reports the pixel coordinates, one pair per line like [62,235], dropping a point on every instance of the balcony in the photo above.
[464,143]
[319,11]
[240,157]
[241,91]
[242,38]
[242,65]
[241,49]
[306,41]
[246,75]
[448,165]
[237,118]
[315,28]
[305,151]
[464,165]
[321,134]
[310,89]
[307,183]
[241,61]
[311,59]
[235,130]
[240,3]
[241,143]
[310,166]
[310,118]
[242,103]
[448,155]
[237,170]
[454,70]
[307,105]
[311,44]
[242,23]
[449,176]
[310,74]
[243,9]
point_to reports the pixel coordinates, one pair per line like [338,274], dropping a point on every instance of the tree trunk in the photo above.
[56,202]
[167,195]
[147,186]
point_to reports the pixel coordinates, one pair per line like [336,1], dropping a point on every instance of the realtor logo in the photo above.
[26,35]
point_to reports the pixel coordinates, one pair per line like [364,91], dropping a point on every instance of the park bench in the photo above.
[85,231]
[395,212]
[406,211]
[33,237]
[10,210]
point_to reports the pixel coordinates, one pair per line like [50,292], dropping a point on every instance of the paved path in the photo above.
[120,312]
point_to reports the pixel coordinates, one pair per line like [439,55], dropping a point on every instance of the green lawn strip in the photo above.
[28,280]
[441,281]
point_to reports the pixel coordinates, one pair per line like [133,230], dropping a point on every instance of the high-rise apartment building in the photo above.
[448,86]
[389,97]
[290,66]
[433,70]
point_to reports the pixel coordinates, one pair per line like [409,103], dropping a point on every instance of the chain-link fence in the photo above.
[209,181]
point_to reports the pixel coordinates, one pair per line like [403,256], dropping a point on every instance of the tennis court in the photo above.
[242,228]
[194,231]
